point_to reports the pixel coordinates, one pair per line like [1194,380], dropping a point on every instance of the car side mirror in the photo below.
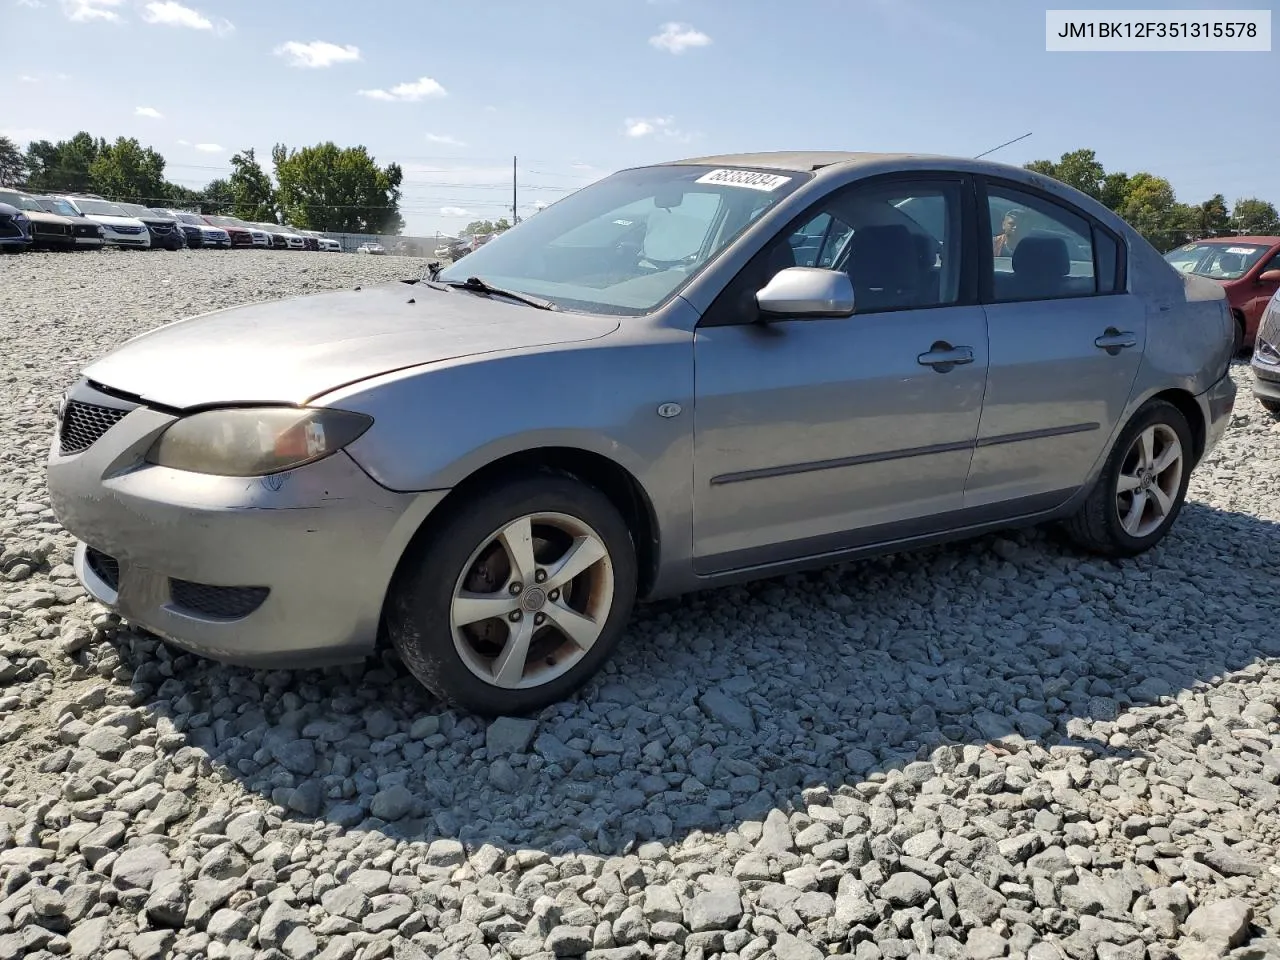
[1269,276]
[806,292]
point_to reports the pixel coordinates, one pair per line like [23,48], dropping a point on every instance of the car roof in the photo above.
[800,160]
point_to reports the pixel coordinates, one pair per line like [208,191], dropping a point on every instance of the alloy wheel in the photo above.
[1149,480]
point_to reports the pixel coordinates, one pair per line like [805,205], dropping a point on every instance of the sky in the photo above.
[576,89]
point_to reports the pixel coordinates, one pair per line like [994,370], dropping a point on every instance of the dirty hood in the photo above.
[290,351]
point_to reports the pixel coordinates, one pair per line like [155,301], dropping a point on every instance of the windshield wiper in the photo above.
[476,285]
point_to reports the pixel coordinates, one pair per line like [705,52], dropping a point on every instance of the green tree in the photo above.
[337,189]
[217,197]
[13,165]
[183,198]
[1212,217]
[487,226]
[1256,217]
[63,166]
[1151,208]
[255,199]
[1079,169]
[126,170]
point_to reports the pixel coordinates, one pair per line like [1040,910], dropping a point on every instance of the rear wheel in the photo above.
[1142,487]
[518,598]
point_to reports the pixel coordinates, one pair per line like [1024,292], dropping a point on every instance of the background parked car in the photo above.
[240,234]
[88,235]
[311,240]
[118,228]
[329,245]
[1248,268]
[49,231]
[276,234]
[15,229]
[1266,358]
[163,228]
[374,248]
[197,232]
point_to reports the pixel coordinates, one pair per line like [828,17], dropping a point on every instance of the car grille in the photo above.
[164,229]
[51,229]
[10,229]
[125,228]
[220,603]
[107,568]
[86,230]
[84,423]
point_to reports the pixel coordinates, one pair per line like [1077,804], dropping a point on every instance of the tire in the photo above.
[1271,406]
[462,663]
[1238,348]
[1098,526]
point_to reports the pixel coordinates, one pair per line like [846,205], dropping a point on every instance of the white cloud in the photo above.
[169,13]
[664,127]
[27,78]
[184,143]
[445,139]
[454,212]
[83,11]
[151,112]
[409,92]
[209,147]
[33,4]
[679,37]
[317,53]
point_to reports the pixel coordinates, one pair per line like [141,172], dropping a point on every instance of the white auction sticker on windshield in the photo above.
[1244,250]
[750,179]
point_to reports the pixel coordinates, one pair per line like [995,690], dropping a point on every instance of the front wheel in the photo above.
[1141,489]
[518,598]
[1271,406]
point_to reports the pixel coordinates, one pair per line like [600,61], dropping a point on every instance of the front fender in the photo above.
[435,426]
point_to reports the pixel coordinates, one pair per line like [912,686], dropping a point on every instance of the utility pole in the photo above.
[514,217]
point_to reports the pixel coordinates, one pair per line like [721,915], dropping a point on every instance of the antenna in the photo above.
[1002,146]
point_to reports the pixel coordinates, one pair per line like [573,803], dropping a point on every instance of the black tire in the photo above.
[1096,526]
[418,616]
[1238,348]
[1271,406]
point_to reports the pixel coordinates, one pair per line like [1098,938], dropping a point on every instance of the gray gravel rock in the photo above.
[995,748]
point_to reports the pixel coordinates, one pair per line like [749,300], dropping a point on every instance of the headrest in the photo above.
[1042,256]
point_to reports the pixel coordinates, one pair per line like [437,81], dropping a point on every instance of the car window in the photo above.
[900,242]
[1222,260]
[1272,264]
[1040,249]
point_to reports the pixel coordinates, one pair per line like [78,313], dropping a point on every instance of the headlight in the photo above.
[1265,352]
[254,442]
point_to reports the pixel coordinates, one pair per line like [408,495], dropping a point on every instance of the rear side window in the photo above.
[1041,250]
[1106,255]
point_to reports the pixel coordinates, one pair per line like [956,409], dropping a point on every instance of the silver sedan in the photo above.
[684,375]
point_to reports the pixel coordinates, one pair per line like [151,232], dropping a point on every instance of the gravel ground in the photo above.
[992,749]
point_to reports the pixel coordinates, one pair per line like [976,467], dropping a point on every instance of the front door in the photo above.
[812,436]
[1066,341]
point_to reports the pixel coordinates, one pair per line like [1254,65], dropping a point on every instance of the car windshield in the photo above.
[135,209]
[101,208]
[1217,261]
[189,218]
[626,244]
[21,201]
[60,207]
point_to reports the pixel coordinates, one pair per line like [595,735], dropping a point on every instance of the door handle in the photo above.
[942,356]
[1113,341]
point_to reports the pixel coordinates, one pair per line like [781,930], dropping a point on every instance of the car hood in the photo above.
[291,351]
[42,217]
[108,220]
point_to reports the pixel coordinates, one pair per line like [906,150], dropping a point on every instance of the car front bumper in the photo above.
[113,239]
[282,571]
[1266,381]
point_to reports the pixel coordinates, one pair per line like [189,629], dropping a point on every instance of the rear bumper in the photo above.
[1216,405]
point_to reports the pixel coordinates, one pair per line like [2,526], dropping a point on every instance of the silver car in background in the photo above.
[683,375]
[1266,358]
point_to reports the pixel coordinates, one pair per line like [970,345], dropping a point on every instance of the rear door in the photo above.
[1066,341]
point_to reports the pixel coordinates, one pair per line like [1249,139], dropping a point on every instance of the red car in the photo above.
[1248,269]
[240,237]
